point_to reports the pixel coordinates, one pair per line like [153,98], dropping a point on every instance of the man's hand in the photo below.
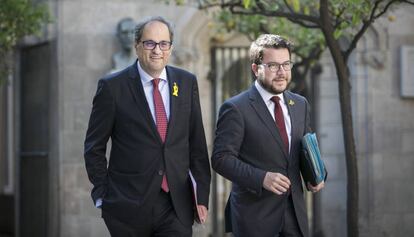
[276,183]
[202,211]
[316,188]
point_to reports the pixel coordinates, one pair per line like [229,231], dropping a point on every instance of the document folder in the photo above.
[311,164]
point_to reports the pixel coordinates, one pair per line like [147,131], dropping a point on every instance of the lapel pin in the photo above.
[291,102]
[175,89]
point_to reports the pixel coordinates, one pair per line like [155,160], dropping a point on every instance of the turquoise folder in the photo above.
[311,164]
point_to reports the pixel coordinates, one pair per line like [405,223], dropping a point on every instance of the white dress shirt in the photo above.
[266,96]
[146,80]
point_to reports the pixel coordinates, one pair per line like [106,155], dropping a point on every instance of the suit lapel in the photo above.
[137,90]
[261,109]
[174,83]
[293,113]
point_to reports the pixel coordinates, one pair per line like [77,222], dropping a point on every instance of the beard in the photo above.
[270,86]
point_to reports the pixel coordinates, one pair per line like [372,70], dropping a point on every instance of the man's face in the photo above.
[273,82]
[153,60]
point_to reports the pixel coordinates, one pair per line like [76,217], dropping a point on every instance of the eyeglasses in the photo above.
[274,67]
[150,45]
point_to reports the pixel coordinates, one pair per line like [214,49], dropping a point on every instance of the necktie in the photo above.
[280,122]
[161,121]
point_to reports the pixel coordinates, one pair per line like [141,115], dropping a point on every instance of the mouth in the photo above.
[279,80]
[156,60]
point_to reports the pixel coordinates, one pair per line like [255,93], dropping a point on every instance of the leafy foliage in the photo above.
[349,19]
[305,40]
[18,18]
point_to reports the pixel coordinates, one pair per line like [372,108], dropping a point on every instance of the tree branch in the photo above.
[314,54]
[383,10]
[221,4]
[367,24]
[338,20]
[288,7]
[300,19]
[263,28]
[236,7]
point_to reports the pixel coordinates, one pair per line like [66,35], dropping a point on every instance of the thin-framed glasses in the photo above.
[150,45]
[274,67]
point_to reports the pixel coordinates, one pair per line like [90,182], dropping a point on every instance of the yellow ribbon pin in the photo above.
[175,89]
[291,102]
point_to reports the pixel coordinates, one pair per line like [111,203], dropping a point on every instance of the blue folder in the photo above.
[311,164]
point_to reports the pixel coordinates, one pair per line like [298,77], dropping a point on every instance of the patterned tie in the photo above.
[161,121]
[280,122]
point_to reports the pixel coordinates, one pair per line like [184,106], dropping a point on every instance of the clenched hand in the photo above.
[276,183]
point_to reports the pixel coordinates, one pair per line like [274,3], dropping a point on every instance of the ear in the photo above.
[255,69]
[136,48]
[171,49]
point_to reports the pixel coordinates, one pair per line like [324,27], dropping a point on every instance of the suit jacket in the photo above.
[247,145]
[138,157]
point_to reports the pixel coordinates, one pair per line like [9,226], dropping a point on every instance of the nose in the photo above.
[157,49]
[280,70]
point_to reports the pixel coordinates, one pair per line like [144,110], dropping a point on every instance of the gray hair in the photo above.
[139,29]
[267,41]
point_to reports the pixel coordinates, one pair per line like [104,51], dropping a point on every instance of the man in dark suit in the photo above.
[151,112]
[257,147]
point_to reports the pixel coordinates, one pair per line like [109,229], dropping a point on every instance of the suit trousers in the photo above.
[290,222]
[164,222]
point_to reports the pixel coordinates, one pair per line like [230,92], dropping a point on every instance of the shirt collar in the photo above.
[267,95]
[146,78]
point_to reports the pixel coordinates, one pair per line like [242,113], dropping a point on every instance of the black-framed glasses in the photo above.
[274,67]
[150,44]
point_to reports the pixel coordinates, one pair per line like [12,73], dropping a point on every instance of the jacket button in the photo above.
[160,172]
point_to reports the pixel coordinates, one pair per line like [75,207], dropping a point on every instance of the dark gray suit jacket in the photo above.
[138,157]
[247,145]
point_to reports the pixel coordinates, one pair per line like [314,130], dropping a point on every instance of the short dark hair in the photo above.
[267,41]
[139,29]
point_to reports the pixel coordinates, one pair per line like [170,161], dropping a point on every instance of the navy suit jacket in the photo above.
[247,145]
[138,158]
